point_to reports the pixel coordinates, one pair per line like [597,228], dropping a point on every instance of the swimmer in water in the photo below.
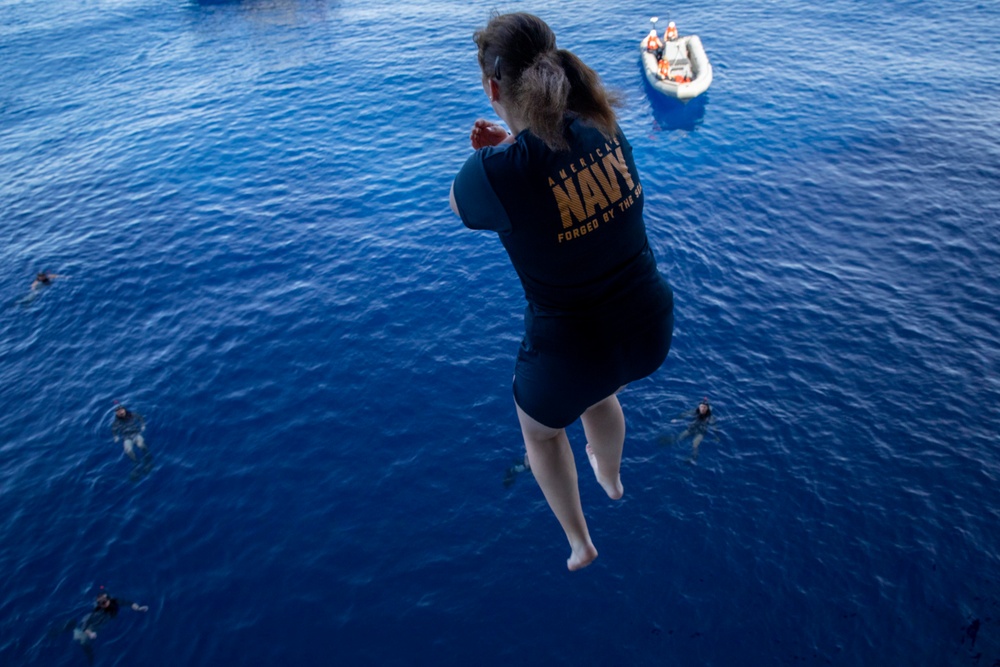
[512,472]
[129,426]
[105,609]
[702,420]
[43,279]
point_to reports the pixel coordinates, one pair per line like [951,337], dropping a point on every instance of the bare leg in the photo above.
[140,442]
[694,447]
[128,448]
[604,426]
[555,469]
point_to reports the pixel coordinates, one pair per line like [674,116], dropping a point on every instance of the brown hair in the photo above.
[518,50]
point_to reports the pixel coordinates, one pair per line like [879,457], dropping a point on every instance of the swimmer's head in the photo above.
[704,408]
[121,412]
[103,600]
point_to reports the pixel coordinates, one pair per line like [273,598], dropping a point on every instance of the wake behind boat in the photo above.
[677,65]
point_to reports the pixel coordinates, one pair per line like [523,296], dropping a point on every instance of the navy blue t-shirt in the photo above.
[571,221]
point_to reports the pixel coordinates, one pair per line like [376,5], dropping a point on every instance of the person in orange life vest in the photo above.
[651,42]
[664,69]
[671,33]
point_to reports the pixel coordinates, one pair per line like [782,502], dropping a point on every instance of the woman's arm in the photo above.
[451,199]
[484,133]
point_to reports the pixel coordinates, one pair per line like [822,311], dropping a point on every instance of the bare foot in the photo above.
[581,557]
[613,488]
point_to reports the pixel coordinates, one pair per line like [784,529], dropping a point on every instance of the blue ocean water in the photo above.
[248,201]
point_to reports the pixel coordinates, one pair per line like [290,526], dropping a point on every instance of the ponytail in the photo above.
[542,83]
[588,97]
[542,93]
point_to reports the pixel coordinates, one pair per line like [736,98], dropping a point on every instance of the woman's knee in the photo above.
[609,403]
[534,430]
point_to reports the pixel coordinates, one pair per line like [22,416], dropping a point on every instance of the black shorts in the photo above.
[568,363]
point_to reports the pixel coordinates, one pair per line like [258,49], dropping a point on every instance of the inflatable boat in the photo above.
[680,68]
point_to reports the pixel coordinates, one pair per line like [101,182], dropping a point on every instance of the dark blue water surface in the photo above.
[249,203]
